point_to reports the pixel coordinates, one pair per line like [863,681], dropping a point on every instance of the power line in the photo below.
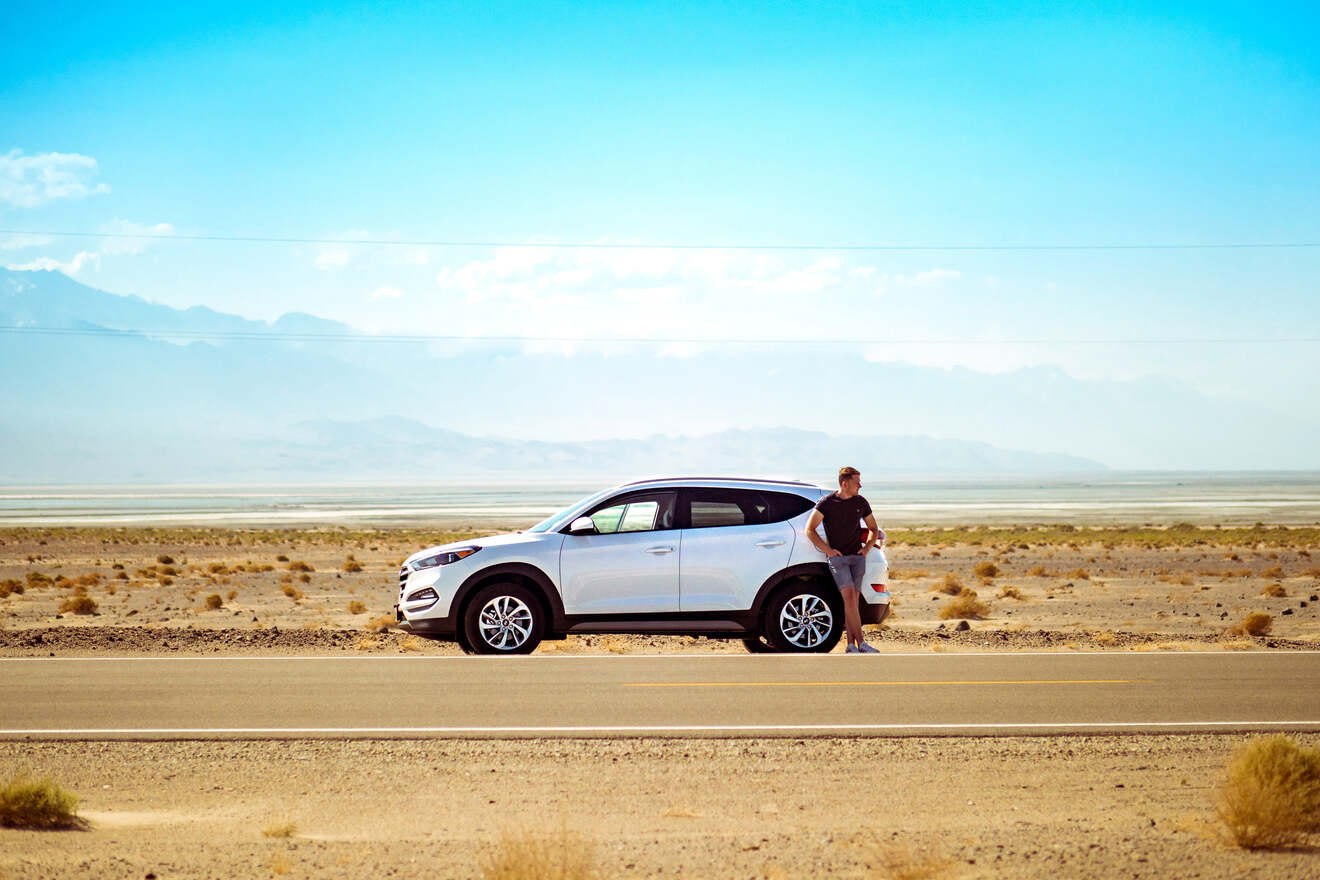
[283,336]
[689,246]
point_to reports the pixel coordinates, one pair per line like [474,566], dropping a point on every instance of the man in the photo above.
[845,552]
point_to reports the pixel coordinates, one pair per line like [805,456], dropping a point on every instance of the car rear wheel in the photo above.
[806,618]
[503,619]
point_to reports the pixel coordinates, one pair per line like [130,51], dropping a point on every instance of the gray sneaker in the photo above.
[864,648]
[852,649]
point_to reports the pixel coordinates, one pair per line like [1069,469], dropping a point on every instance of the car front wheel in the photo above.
[504,619]
[805,619]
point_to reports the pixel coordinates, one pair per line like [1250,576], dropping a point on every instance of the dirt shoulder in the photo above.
[1024,807]
[204,591]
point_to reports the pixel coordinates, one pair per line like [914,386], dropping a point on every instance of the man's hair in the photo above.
[846,472]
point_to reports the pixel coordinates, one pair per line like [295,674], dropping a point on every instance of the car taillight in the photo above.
[880,588]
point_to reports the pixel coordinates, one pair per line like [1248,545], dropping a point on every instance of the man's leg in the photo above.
[852,617]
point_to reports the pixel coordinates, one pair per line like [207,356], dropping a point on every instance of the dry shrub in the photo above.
[304,578]
[281,558]
[986,569]
[214,602]
[964,606]
[163,559]
[217,568]
[351,564]
[292,592]
[37,579]
[1271,794]
[231,595]
[951,584]
[1039,571]
[560,856]
[78,604]
[1274,590]
[299,566]
[1008,591]
[893,861]
[1274,571]
[1257,623]
[1080,574]
[907,574]
[283,829]
[356,607]
[1105,637]
[37,803]
[10,586]
[411,644]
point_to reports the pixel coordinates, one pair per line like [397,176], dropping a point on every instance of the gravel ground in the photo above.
[1023,807]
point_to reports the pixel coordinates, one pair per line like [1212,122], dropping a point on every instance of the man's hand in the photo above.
[830,553]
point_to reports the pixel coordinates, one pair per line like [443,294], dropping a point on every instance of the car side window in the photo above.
[653,511]
[713,507]
[709,513]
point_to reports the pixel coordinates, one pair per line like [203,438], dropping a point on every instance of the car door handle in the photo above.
[659,550]
[769,543]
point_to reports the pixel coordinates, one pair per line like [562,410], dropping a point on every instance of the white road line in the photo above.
[624,657]
[658,728]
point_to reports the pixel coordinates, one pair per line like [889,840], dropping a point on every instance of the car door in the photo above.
[732,541]
[630,565]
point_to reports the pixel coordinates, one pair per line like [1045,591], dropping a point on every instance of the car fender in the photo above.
[523,570]
[772,583]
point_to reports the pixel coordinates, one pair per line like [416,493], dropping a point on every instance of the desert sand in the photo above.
[1048,807]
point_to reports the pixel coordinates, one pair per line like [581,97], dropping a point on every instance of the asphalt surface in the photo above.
[721,695]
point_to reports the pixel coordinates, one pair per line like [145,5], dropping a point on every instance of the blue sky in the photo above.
[924,124]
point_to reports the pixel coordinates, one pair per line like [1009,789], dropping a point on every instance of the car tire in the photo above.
[757,646]
[805,618]
[503,619]
[462,639]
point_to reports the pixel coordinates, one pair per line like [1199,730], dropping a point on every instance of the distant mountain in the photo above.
[200,394]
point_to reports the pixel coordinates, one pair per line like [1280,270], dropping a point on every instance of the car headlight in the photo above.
[445,558]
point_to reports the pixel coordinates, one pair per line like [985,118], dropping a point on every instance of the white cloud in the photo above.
[129,228]
[927,278]
[386,293]
[109,247]
[19,242]
[50,264]
[333,258]
[29,181]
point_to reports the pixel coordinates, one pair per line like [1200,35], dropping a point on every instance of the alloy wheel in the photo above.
[806,620]
[505,623]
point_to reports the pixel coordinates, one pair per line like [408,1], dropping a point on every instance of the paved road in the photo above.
[728,695]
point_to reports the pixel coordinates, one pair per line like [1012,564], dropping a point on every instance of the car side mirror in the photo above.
[583,525]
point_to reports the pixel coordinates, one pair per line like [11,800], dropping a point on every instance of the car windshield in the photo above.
[559,518]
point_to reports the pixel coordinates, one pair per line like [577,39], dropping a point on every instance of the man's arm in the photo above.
[876,534]
[813,523]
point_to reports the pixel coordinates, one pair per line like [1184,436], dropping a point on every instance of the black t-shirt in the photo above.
[843,521]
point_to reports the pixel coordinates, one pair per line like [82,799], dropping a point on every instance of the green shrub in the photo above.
[37,803]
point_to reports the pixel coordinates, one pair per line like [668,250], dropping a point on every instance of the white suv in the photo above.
[717,557]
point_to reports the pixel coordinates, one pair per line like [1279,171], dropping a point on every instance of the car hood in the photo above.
[488,541]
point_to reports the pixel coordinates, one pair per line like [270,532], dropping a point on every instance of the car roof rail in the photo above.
[723,479]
